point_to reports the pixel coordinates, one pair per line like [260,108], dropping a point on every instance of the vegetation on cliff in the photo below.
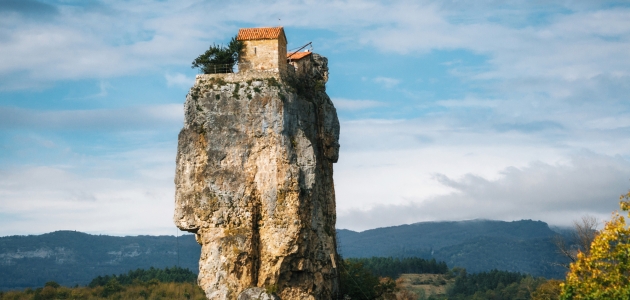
[219,58]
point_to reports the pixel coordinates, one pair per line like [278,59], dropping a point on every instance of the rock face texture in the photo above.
[254,182]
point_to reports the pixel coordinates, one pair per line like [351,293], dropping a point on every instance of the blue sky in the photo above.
[449,110]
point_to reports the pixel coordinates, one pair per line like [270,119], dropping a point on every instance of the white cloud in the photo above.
[544,91]
[76,43]
[125,193]
[390,166]
[557,194]
[130,118]
[179,80]
[47,199]
[350,104]
[570,47]
[104,88]
[387,82]
[469,102]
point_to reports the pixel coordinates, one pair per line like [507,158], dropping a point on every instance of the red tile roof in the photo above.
[263,33]
[298,55]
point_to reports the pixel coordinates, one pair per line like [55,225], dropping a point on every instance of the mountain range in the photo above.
[74,258]
[479,245]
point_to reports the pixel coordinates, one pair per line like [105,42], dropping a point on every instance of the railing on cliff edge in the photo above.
[235,68]
[223,68]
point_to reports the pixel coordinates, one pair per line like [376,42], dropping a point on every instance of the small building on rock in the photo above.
[265,49]
[301,61]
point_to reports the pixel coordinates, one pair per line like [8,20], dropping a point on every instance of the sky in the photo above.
[449,110]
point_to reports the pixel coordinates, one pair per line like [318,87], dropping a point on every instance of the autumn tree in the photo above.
[549,290]
[604,273]
[582,235]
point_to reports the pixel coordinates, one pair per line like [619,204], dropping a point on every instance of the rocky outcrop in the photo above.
[254,182]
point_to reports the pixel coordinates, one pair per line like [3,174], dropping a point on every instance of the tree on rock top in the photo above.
[218,58]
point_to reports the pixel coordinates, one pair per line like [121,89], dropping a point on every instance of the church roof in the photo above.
[298,55]
[262,33]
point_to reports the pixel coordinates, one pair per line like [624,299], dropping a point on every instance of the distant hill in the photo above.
[480,245]
[72,258]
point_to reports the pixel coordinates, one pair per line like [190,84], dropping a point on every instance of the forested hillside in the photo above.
[72,258]
[393,267]
[481,245]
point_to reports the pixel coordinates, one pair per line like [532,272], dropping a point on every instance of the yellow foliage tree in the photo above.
[549,290]
[605,272]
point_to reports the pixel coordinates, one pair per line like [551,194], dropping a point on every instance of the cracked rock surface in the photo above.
[254,182]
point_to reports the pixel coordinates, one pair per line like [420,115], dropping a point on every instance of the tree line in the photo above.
[168,283]
[392,266]
[174,274]
[599,271]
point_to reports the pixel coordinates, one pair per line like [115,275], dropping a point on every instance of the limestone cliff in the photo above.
[254,181]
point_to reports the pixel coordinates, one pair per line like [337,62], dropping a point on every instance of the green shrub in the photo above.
[52,284]
[112,287]
[357,282]
[218,58]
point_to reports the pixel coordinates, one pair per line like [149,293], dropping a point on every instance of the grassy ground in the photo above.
[153,291]
[425,285]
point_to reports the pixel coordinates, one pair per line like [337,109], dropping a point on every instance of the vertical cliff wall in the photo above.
[254,181]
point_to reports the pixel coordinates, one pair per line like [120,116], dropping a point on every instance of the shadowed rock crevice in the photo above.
[254,182]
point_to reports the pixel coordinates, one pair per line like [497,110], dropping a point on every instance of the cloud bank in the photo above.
[449,111]
[558,194]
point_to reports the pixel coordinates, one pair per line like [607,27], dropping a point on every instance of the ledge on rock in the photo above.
[256,293]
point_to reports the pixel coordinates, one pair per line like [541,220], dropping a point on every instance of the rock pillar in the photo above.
[254,182]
